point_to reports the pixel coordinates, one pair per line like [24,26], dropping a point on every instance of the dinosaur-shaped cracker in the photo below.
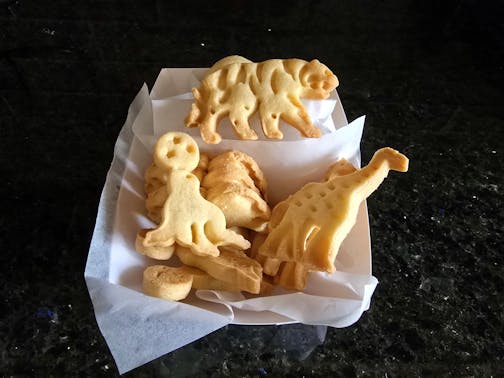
[318,217]
[238,88]
[292,275]
[192,221]
[156,189]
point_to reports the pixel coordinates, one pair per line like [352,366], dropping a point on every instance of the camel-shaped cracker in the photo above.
[316,219]
[273,87]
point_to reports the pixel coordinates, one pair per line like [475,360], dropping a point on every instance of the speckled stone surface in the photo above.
[428,75]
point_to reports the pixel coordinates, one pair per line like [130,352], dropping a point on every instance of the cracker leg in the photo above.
[299,118]
[301,121]
[208,127]
[270,121]
[240,123]
[243,104]
[197,240]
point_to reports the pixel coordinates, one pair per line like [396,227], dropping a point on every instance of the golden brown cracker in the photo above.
[235,268]
[203,281]
[155,252]
[242,207]
[292,276]
[228,60]
[320,215]
[176,150]
[236,184]
[191,220]
[341,168]
[238,89]
[244,163]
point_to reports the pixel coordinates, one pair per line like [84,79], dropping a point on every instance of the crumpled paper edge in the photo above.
[111,313]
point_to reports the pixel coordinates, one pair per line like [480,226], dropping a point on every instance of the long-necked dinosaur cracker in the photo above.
[291,275]
[320,215]
[192,221]
[273,88]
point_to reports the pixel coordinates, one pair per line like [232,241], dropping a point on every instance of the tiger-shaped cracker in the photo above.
[273,88]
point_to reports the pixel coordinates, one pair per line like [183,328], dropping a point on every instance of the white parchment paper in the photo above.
[139,328]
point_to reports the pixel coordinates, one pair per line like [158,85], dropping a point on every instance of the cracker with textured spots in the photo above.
[237,88]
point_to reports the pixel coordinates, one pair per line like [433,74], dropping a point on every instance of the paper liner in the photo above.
[114,269]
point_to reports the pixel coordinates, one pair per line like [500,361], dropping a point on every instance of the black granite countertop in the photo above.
[429,77]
